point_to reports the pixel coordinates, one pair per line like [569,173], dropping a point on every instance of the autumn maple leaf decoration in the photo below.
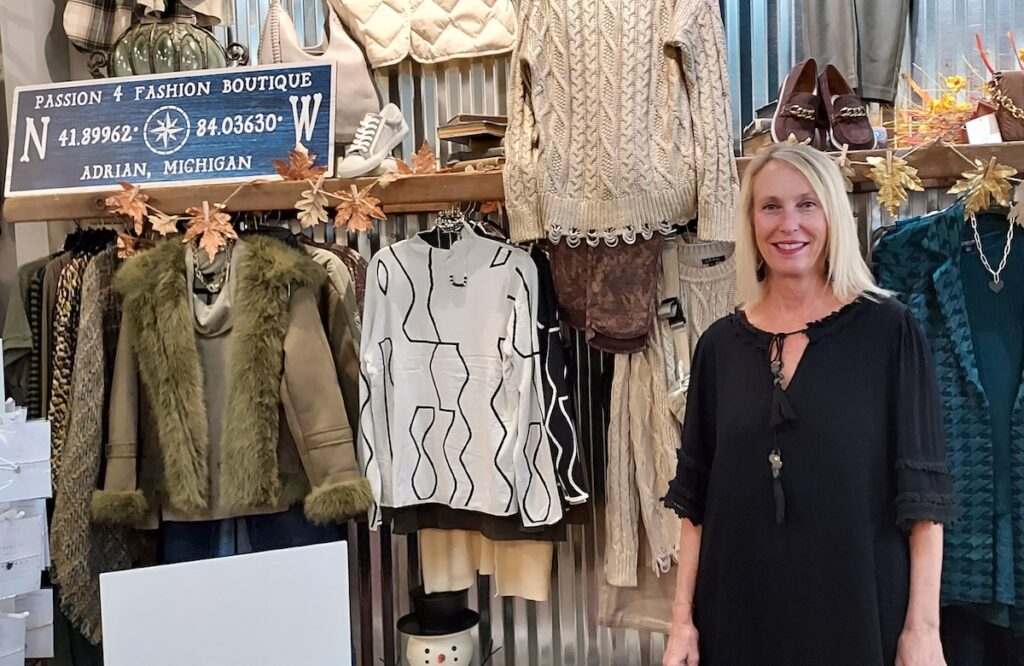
[423,162]
[299,165]
[985,184]
[126,245]
[894,176]
[130,202]
[358,209]
[312,205]
[163,223]
[846,169]
[211,225]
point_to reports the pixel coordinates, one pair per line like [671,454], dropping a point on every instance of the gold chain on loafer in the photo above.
[801,112]
[853,112]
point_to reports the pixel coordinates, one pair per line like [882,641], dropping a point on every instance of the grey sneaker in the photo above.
[386,165]
[378,134]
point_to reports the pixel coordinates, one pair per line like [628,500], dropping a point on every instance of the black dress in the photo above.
[814,569]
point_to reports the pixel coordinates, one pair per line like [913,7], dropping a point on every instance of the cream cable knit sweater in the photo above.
[648,388]
[619,120]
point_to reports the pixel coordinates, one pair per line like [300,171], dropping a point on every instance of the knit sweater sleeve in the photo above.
[696,32]
[522,187]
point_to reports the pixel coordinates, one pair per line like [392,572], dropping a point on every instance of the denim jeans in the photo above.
[201,540]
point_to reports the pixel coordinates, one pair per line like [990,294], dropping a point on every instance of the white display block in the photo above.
[30,508]
[39,642]
[39,624]
[280,607]
[25,461]
[12,639]
[21,555]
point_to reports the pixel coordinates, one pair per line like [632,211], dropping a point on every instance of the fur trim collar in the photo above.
[157,310]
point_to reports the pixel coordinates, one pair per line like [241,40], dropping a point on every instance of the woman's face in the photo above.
[789,223]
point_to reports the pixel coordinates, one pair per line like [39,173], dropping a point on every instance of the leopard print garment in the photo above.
[65,334]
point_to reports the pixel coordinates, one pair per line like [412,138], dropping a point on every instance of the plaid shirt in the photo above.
[94,25]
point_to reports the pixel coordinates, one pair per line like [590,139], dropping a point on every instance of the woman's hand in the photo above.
[919,646]
[681,649]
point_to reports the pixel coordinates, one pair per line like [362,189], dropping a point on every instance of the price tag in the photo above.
[198,127]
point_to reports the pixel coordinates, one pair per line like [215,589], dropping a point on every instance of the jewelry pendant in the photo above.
[775,461]
[996,285]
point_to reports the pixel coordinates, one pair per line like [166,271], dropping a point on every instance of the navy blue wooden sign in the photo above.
[212,126]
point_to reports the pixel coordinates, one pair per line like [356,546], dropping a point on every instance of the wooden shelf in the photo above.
[409,195]
[937,166]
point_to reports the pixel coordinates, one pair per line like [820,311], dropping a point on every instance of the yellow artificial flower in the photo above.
[948,102]
[964,106]
[956,83]
[934,106]
[1020,54]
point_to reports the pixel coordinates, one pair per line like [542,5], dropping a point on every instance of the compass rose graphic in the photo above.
[167,130]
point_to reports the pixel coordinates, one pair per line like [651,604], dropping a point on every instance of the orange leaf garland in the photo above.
[130,202]
[424,162]
[126,245]
[312,205]
[163,223]
[489,207]
[299,165]
[358,209]
[211,226]
[387,178]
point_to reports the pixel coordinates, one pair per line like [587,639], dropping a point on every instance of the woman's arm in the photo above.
[686,576]
[925,574]
[682,647]
[920,643]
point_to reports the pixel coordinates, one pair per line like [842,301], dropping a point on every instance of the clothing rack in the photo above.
[938,166]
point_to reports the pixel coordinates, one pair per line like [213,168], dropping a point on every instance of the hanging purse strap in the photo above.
[270,39]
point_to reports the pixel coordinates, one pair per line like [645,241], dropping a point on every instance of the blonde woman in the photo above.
[812,477]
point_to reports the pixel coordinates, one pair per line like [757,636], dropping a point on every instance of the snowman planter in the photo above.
[433,650]
[439,629]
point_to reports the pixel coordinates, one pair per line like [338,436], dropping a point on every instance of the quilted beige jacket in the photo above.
[429,31]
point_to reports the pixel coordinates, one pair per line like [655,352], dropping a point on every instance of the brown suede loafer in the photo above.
[798,110]
[846,112]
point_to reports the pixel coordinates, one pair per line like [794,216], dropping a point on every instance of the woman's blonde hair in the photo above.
[847,272]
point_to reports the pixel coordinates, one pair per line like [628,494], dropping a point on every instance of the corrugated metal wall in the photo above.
[764,40]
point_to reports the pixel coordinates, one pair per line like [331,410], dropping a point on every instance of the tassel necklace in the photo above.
[781,412]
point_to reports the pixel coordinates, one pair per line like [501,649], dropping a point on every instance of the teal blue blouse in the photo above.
[977,336]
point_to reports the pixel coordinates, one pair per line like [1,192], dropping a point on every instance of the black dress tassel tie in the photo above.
[780,501]
[781,412]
